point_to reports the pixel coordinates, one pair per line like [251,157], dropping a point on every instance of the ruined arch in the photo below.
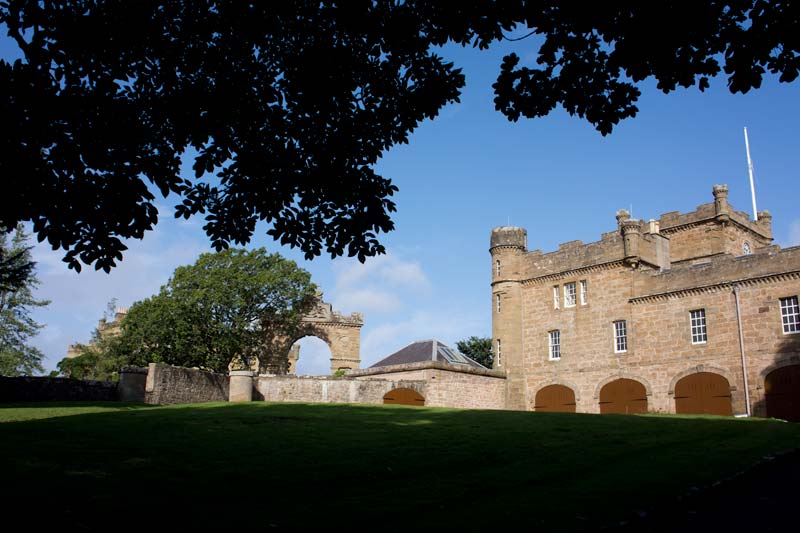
[341,333]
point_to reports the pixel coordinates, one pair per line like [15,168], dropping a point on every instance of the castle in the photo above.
[690,313]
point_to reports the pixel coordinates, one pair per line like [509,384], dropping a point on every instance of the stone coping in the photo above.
[240,373]
[133,370]
[424,365]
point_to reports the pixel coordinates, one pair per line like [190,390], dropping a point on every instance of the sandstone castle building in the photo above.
[690,313]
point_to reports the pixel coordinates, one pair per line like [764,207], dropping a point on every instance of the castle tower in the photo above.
[508,245]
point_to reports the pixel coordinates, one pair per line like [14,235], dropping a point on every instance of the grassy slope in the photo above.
[294,465]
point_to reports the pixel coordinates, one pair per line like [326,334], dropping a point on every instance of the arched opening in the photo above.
[555,399]
[623,396]
[782,393]
[703,393]
[313,357]
[403,397]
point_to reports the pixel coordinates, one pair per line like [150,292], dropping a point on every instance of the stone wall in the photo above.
[41,389]
[327,389]
[441,384]
[174,385]
[446,385]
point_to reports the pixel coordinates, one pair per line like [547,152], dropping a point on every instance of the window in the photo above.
[555,345]
[569,294]
[555,297]
[698,319]
[746,248]
[620,336]
[790,315]
[497,268]
[497,299]
[583,292]
[499,353]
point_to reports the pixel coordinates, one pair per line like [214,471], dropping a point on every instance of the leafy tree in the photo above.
[477,348]
[286,106]
[17,357]
[229,306]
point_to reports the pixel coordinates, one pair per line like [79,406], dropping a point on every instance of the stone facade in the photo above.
[651,277]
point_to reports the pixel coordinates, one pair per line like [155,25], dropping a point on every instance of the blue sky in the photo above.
[469,171]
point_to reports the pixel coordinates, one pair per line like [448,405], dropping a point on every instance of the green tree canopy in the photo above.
[229,306]
[17,356]
[287,106]
[477,348]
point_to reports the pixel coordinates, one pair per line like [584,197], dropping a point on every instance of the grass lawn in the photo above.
[291,466]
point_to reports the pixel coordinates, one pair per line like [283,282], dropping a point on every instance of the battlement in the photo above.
[712,229]
[509,236]
[720,271]
[574,255]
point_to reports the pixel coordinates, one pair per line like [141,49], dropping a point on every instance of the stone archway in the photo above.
[341,333]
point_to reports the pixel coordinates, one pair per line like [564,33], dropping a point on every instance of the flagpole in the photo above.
[750,170]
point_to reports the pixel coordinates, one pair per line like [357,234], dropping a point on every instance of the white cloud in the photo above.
[388,337]
[382,284]
[388,269]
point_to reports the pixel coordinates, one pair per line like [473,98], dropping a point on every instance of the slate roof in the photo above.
[427,350]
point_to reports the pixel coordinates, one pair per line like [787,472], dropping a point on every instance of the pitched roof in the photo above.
[427,350]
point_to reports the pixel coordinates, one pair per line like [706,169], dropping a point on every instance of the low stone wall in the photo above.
[441,385]
[40,389]
[173,385]
[326,389]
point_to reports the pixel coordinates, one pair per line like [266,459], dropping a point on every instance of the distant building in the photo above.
[104,328]
[666,316]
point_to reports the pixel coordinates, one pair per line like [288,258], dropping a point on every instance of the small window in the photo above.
[698,320]
[583,292]
[497,299]
[555,345]
[569,294]
[556,297]
[620,336]
[499,353]
[790,315]
[497,268]
[746,248]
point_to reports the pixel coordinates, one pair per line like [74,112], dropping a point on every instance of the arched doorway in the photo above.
[703,393]
[555,399]
[782,393]
[310,356]
[403,397]
[623,396]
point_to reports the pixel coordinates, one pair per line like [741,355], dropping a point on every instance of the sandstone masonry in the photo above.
[654,303]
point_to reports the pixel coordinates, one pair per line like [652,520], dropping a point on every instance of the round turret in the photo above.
[509,236]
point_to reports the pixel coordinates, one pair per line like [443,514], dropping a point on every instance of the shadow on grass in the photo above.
[301,465]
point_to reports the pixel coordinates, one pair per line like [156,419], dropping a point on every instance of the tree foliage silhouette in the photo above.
[285,107]
[17,356]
